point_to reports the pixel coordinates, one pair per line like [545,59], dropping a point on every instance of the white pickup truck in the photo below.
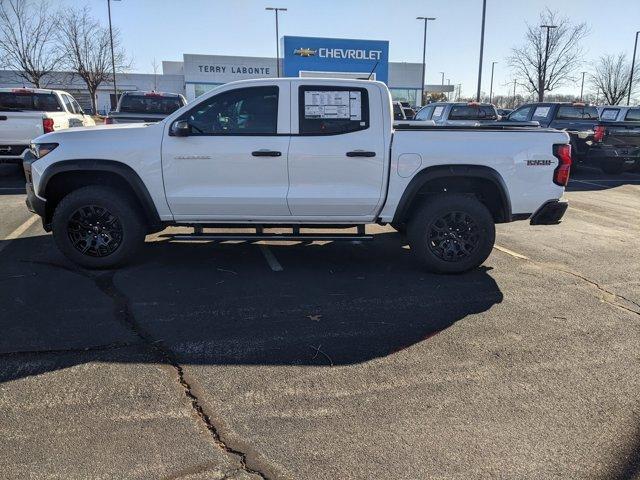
[27,113]
[294,153]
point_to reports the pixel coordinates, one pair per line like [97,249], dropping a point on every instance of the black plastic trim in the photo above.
[550,213]
[441,171]
[113,166]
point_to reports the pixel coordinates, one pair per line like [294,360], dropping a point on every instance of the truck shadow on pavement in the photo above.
[333,304]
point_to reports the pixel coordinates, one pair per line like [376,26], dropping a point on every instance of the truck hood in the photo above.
[99,132]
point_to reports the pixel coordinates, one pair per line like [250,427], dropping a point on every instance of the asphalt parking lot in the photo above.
[327,361]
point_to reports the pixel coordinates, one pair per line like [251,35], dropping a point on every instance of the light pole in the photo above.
[546,59]
[424,54]
[633,66]
[113,58]
[582,86]
[484,12]
[448,83]
[515,81]
[493,64]
[442,82]
[277,9]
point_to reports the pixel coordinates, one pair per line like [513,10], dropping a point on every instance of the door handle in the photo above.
[361,153]
[266,153]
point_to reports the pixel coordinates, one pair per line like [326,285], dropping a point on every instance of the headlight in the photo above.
[41,149]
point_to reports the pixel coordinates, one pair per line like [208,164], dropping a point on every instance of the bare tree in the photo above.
[87,50]
[541,67]
[27,40]
[155,66]
[611,77]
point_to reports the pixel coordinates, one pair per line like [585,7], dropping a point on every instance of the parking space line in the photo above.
[510,252]
[18,231]
[271,258]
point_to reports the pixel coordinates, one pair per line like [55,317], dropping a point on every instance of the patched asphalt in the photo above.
[201,361]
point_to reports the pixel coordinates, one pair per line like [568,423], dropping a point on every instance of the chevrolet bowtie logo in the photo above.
[304,52]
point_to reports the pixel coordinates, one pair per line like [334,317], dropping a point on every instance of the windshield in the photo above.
[472,112]
[156,104]
[41,102]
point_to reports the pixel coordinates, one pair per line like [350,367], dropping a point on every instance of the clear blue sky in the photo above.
[165,29]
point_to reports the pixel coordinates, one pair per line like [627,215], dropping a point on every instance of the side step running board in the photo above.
[200,234]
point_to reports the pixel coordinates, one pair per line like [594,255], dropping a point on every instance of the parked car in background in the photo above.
[398,111]
[26,113]
[577,119]
[618,113]
[609,145]
[458,113]
[297,153]
[145,107]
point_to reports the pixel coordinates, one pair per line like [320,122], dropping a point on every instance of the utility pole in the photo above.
[424,55]
[448,93]
[633,66]
[484,12]
[277,9]
[493,64]
[113,58]
[582,86]
[544,66]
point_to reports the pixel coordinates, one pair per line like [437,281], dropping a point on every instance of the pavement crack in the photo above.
[124,313]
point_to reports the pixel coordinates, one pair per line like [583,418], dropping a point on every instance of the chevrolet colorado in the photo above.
[294,153]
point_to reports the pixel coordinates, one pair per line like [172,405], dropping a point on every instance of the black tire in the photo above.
[612,168]
[451,233]
[77,226]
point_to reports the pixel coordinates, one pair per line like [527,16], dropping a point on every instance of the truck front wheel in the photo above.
[451,233]
[97,227]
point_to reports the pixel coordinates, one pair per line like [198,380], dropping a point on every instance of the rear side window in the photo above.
[572,112]
[243,111]
[329,110]
[40,102]
[473,112]
[633,115]
[150,103]
[609,114]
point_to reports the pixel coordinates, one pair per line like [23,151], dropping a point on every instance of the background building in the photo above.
[302,56]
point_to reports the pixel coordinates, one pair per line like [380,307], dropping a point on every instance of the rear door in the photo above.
[233,163]
[337,150]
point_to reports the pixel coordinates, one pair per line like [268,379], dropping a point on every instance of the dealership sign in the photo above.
[311,54]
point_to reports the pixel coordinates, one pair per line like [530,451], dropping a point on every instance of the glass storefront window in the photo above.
[405,95]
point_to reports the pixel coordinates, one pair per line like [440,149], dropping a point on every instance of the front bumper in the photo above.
[550,213]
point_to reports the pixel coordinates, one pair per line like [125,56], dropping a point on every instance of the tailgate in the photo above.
[621,134]
[19,128]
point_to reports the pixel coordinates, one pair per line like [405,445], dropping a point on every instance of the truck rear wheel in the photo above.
[97,227]
[451,233]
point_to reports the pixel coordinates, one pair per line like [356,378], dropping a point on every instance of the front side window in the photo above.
[437,112]
[541,112]
[424,113]
[521,114]
[244,111]
[330,110]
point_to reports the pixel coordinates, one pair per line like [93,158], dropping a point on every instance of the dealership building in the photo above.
[301,57]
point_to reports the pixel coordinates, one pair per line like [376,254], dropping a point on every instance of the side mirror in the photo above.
[180,128]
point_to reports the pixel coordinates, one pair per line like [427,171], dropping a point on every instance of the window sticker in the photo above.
[541,112]
[333,105]
[437,112]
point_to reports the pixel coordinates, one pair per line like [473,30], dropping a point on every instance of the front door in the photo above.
[233,162]
[337,157]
